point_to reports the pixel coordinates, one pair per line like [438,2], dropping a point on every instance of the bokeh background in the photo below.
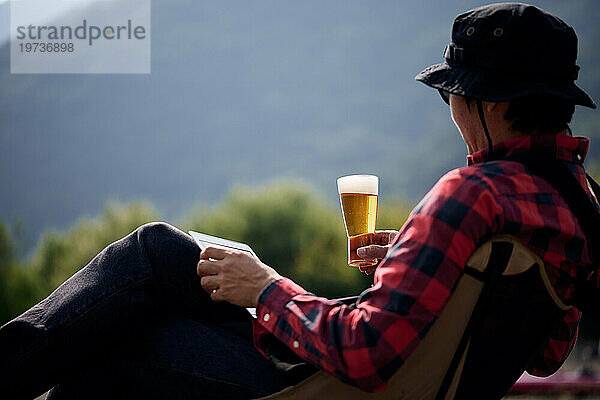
[251,112]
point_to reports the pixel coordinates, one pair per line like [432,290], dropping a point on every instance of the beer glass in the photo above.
[358,197]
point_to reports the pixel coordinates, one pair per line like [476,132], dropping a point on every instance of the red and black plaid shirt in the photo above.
[364,345]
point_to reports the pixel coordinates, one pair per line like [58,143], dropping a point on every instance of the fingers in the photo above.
[209,283]
[211,260]
[215,253]
[210,279]
[233,276]
[206,267]
[384,237]
[372,251]
[217,295]
[368,270]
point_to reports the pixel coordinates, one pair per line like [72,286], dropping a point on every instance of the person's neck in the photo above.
[499,135]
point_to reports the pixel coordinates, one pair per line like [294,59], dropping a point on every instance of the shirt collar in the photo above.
[559,146]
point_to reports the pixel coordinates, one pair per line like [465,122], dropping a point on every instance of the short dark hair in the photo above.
[540,113]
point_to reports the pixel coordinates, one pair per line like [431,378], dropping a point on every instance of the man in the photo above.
[137,309]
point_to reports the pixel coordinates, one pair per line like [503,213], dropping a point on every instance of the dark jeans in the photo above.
[135,323]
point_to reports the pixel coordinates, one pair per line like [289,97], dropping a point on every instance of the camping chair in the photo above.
[461,356]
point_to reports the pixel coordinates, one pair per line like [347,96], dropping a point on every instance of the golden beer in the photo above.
[360,212]
[358,198]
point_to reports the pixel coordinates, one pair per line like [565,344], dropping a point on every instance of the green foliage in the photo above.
[6,247]
[291,229]
[18,287]
[392,213]
[289,226]
[296,232]
[60,255]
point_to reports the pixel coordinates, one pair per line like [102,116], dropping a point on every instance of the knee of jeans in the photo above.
[161,239]
[153,229]
[152,233]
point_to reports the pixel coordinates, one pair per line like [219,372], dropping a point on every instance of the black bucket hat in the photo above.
[503,51]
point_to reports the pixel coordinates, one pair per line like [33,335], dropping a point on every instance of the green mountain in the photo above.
[244,93]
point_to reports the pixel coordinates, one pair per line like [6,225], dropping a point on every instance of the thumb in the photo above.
[372,251]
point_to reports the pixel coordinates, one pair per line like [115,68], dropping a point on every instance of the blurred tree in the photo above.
[295,231]
[288,225]
[290,228]
[392,213]
[6,248]
[18,287]
[60,255]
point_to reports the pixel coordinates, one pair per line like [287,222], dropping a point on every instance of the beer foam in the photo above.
[367,184]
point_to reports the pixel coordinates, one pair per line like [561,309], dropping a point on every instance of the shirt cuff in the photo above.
[273,299]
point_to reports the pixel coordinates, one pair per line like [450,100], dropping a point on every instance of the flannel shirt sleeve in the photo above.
[559,346]
[364,345]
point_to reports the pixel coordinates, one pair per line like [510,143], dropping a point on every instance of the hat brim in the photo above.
[489,86]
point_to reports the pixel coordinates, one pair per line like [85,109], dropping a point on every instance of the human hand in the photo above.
[234,276]
[381,244]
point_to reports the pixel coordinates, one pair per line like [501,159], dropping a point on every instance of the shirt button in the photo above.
[266,317]
[296,344]
[578,156]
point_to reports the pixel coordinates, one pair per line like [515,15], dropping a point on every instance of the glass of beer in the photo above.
[358,197]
